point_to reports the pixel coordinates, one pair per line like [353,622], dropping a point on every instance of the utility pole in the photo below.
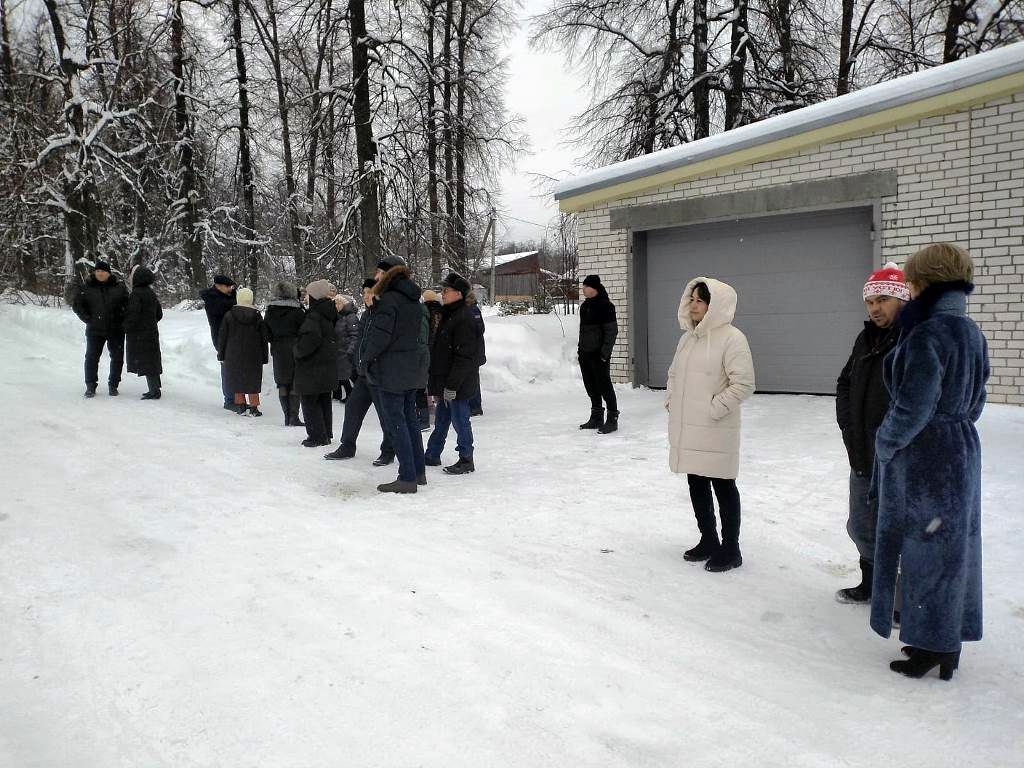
[494,251]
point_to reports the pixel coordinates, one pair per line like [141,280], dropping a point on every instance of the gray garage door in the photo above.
[799,279]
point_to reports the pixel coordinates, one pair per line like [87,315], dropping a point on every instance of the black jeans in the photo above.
[399,409]
[319,416]
[93,350]
[357,405]
[728,506]
[597,379]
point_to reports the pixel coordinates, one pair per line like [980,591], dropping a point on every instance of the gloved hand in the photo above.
[449,395]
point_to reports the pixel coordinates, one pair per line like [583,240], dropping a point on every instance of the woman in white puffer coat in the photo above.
[711,374]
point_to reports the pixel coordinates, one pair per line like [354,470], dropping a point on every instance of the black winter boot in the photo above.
[921,662]
[725,559]
[610,424]
[862,592]
[596,419]
[398,486]
[383,460]
[293,411]
[461,467]
[706,547]
[112,390]
[254,410]
[285,409]
[340,453]
[90,391]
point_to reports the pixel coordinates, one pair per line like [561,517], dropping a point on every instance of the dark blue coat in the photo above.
[928,475]
[394,347]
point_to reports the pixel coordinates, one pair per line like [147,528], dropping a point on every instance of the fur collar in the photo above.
[389,277]
[920,309]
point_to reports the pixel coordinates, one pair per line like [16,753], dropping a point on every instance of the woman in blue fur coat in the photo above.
[928,468]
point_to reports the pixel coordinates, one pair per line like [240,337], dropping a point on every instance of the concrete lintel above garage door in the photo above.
[860,187]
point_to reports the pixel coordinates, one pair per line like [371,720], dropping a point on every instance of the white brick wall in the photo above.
[960,179]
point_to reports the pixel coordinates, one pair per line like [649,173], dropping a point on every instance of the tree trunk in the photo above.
[737,66]
[187,194]
[6,59]
[250,251]
[845,49]
[432,203]
[331,193]
[701,86]
[461,256]
[951,48]
[785,22]
[446,133]
[366,149]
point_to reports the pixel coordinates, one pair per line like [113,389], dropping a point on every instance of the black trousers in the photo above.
[153,382]
[357,405]
[728,506]
[318,412]
[597,379]
[93,350]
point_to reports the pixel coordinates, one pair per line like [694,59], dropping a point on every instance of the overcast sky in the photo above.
[546,95]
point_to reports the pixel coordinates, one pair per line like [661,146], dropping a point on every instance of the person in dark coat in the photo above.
[142,336]
[861,403]
[396,357]
[282,320]
[100,304]
[316,363]
[363,395]
[476,403]
[347,328]
[242,347]
[928,468]
[598,331]
[218,301]
[454,375]
[432,301]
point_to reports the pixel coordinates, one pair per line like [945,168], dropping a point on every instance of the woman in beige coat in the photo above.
[711,374]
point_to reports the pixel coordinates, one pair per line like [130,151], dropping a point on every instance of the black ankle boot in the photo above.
[725,559]
[286,409]
[706,547]
[293,412]
[596,419]
[862,592]
[610,424]
[921,662]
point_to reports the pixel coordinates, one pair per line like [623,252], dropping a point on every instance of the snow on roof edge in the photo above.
[919,86]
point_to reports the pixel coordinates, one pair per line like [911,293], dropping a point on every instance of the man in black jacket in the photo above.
[861,404]
[218,301]
[396,357]
[598,330]
[100,304]
[454,375]
[362,396]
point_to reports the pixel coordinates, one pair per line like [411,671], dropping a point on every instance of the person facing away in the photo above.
[598,331]
[861,403]
[282,320]
[362,396]
[100,303]
[142,336]
[927,473]
[218,301]
[242,347]
[476,403]
[712,373]
[316,363]
[396,359]
[347,328]
[432,301]
[454,376]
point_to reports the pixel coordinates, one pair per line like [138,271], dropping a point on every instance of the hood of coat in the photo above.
[245,315]
[920,309]
[398,279]
[721,311]
[141,276]
[325,308]
[285,303]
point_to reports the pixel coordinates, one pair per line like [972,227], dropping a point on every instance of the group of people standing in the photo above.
[907,401]
[123,321]
[405,347]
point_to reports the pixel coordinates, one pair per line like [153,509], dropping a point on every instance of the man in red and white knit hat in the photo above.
[861,403]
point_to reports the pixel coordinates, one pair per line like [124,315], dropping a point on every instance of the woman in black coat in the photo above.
[316,363]
[283,319]
[346,327]
[242,347]
[142,337]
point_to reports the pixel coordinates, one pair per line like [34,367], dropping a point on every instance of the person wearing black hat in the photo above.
[362,396]
[598,330]
[454,375]
[218,301]
[100,304]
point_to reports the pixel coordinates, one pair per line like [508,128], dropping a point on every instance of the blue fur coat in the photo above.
[927,474]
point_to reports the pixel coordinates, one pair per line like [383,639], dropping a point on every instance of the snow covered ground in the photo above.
[183,587]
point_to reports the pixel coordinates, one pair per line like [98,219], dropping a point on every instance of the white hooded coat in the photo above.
[711,374]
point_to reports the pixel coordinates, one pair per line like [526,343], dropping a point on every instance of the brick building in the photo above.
[794,211]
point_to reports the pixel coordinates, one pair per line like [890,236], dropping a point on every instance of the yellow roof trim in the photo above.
[866,124]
